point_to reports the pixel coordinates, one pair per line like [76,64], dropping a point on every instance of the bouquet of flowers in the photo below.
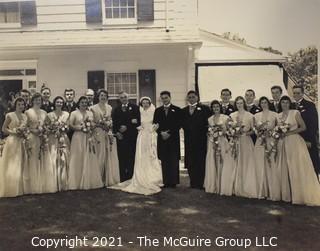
[24,133]
[44,138]
[214,132]
[2,142]
[58,129]
[88,127]
[105,123]
[279,132]
[263,132]
[234,132]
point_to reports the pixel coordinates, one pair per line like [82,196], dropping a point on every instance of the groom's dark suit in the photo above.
[128,116]
[169,119]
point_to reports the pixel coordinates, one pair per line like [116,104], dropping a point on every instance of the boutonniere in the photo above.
[230,109]
[257,110]
[303,110]
[130,108]
[199,108]
[301,106]
[172,110]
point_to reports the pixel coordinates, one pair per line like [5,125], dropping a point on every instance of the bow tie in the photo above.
[194,105]
[124,105]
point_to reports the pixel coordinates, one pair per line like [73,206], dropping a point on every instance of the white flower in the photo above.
[130,108]
[199,108]
[172,110]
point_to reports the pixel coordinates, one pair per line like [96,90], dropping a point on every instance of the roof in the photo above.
[216,49]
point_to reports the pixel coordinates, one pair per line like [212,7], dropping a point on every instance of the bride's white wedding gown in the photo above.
[147,176]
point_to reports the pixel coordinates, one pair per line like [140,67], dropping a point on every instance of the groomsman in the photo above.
[227,108]
[46,104]
[90,96]
[310,116]
[126,119]
[195,126]
[168,117]
[70,105]
[250,96]
[26,95]
[276,92]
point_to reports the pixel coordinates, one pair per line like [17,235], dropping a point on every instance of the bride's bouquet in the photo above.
[23,132]
[234,132]
[279,132]
[88,127]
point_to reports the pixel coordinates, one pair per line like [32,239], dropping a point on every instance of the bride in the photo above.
[147,176]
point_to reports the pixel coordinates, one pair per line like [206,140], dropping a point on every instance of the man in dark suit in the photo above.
[250,96]
[46,104]
[276,92]
[168,117]
[70,105]
[310,116]
[227,108]
[126,119]
[195,126]
[26,95]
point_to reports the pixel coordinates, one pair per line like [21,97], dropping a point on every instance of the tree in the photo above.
[302,66]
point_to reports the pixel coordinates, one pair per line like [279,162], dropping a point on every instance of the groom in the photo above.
[168,117]
[126,119]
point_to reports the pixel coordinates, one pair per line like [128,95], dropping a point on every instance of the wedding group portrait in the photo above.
[131,120]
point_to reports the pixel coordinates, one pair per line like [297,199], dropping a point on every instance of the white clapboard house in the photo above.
[140,46]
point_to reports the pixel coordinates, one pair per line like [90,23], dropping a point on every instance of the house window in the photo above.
[119,11]
[10,14]
[117,82]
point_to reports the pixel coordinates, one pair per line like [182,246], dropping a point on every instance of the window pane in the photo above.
[116,13]
[117,89]
[12,7]
[124,13]
[118,78]
[126,78]
[116,3]
[126,88]
[133,78]
[131,3]
[133,89]
[123,3]
[131,13]
[110,78]
[108,3]
[108,13]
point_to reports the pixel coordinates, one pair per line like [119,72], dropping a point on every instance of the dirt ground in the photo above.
[172,213]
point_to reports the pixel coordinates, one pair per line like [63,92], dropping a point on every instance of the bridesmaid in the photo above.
[41,175]
[13,155]
[267,172]
[107,148]
[59,143]
[84,169]
[217,153]
[297,170]
[245,176]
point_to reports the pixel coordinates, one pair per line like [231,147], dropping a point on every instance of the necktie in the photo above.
[124,108]
[191,109]
[166,110]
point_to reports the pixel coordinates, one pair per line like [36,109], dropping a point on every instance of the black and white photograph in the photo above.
[159,125]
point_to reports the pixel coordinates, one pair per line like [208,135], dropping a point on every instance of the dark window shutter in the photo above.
[147,84]
[93,11]
[28,13]
[145,10]
[96,80]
